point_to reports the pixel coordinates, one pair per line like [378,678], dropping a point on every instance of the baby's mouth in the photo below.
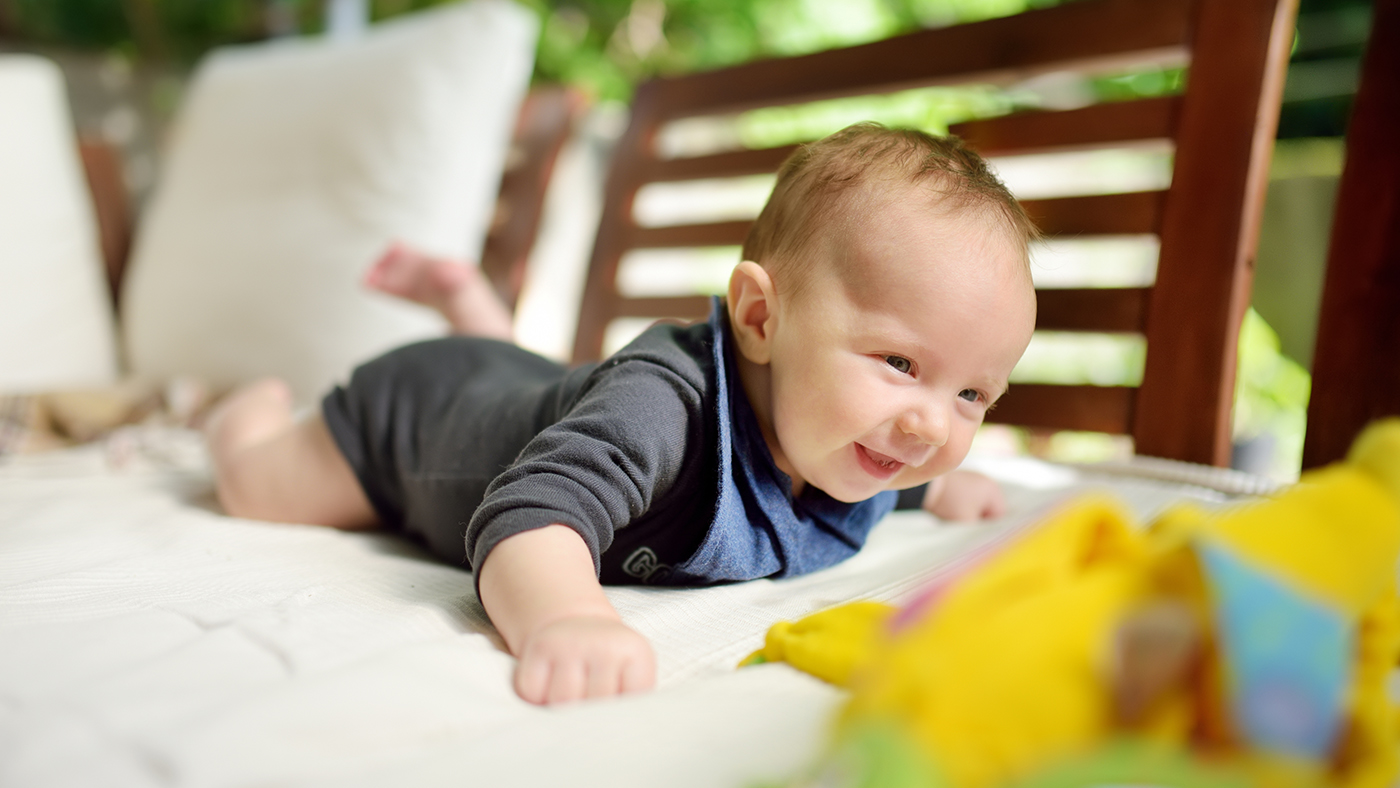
[879,465]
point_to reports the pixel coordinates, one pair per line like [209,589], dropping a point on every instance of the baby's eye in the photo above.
[900,363]
[970,395]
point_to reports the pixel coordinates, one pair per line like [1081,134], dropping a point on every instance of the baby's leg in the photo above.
[269,466]
[455,289]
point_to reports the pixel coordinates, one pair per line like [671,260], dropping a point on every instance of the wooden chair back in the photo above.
[547,119]
[1220,127]
[111,206]
[1356,361]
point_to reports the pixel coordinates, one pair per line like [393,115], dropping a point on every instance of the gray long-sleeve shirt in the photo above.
[653,456]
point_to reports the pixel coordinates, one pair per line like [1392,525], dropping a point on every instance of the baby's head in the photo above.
[884,297]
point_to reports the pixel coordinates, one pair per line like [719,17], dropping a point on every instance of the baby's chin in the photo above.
[855,490]
[846,491]
[849,497]
[858,493]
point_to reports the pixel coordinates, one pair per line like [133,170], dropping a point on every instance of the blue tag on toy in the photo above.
[1287,657]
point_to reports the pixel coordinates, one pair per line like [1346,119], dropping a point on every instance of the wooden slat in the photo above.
[1130,213]
[1101,124]
[1092,309]
[629,158]
[1090,408]
[102,165]
[1356,366]
[1103,309]
[683,235]
[1090,34]
[1225,135]
[679,307]
[720,165]
[545,122]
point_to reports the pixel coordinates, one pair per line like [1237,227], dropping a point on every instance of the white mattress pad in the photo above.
[148,640]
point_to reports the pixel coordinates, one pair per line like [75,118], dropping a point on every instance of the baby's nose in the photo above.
[928,424]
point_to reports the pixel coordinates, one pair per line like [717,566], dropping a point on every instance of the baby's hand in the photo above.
[965,495]
[583,657]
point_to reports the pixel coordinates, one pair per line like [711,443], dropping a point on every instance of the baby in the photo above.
[883,299]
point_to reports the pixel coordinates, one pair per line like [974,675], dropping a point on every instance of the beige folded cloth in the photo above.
[40,422]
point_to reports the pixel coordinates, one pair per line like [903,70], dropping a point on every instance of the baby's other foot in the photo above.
[248,416]
[412,275]
[456,290]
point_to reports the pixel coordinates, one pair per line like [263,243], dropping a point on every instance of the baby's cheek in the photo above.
[946,461]
[952,453]
[955,450]
[935,467]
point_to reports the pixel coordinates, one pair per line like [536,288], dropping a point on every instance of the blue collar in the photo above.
[759,528]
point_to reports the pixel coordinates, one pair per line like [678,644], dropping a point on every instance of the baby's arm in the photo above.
[964,495]
[540,591]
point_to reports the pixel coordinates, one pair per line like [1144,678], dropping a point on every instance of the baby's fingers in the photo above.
[544,681]
[567,681]
[532,678]
[573,659]
[604,679]
[639,675]
[620,672]
[994,508]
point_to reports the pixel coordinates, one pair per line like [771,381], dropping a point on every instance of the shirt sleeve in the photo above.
[621,447]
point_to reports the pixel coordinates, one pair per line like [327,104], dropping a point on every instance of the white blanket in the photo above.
[148,640]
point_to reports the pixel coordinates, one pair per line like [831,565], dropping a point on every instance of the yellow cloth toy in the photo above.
[1248,646]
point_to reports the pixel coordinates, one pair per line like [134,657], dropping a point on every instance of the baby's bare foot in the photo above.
[417,277]
[456,290]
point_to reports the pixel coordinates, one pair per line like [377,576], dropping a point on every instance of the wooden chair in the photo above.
[1221,128]
[1356,363]
[102,164]
[547,118]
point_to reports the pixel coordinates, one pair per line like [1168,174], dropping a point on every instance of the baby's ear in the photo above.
[752,305]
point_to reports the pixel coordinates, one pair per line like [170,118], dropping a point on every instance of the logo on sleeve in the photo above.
[645,566]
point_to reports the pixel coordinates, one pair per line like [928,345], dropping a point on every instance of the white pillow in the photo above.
[55,313]
[293,165]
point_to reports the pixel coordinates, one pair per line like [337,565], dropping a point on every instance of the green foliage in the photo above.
[1271,395]
[1269,383]
[605,46]
[1140,84]
[608,46]
[78,23]
[165,30]
[932,110]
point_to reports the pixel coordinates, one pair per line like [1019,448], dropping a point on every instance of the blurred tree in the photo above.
[606,46]
[160,31]
[610,45]
[1324,68]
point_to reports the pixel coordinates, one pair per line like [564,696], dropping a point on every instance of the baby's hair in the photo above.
[818,186]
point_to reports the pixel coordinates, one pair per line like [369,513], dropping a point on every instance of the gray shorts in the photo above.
[428,426]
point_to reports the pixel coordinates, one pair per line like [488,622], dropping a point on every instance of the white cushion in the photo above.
[293,165]
[55,313]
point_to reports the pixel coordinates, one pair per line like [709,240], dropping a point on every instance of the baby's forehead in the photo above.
[897,240]
[902,235]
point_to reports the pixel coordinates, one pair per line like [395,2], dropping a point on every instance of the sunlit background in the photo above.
[127,62]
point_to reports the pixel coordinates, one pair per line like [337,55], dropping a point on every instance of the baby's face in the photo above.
[882,375]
